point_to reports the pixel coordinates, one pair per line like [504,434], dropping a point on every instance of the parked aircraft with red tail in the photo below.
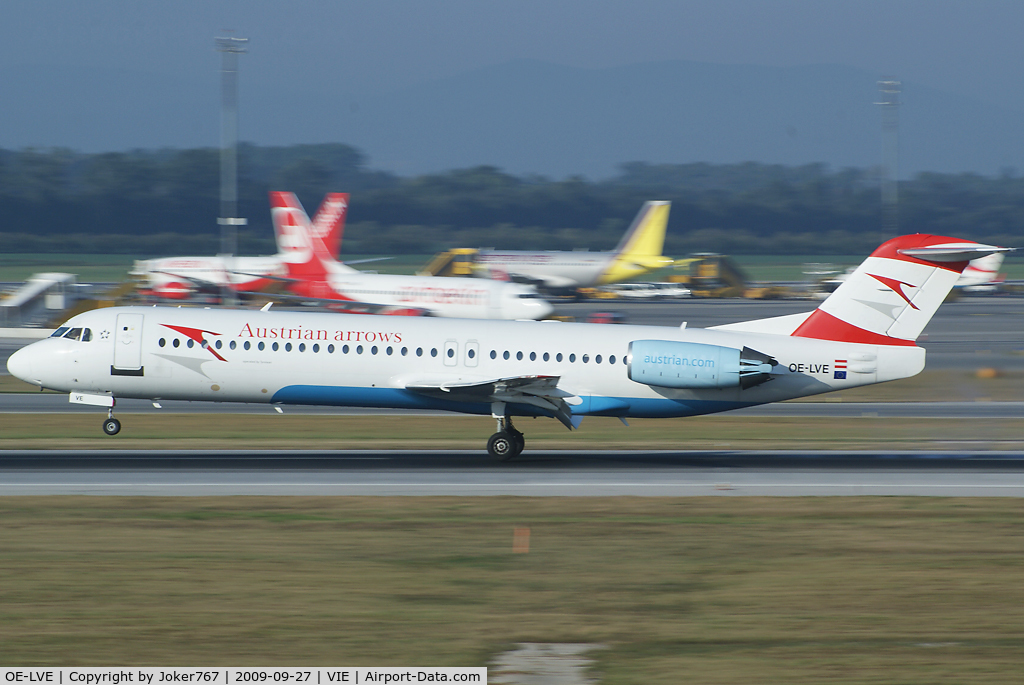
[179,278]
[314,275]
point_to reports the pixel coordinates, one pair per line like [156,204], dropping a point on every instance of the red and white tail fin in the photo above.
[329,222]
[294,242]
[891,297]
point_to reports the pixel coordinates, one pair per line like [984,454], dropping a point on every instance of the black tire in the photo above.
[501,446]
[520,441]
[111,426]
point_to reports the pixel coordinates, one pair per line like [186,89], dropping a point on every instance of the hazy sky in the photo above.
[378,45]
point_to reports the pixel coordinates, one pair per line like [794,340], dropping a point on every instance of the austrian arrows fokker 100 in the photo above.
[178,278]
[314,275]
[863,333]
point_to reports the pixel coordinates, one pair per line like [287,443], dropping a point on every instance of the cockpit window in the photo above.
[59,333]
[74,334]
[86,334]
[528,296]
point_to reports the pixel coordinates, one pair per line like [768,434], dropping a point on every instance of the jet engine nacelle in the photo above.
[672,364]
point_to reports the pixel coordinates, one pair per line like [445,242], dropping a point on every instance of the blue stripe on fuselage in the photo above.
[394,398]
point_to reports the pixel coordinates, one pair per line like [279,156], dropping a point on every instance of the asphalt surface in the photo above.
[473,473]
[52,403]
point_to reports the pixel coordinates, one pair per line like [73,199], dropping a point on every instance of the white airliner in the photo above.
[982,275]
[638,252]
[863,334]
[178,278]
[314,275]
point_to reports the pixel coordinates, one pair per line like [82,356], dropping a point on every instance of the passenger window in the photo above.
[344,349]
[246,345]
[330,349]
[494,354]
[373,350]
[359,349]
[519,356]
[234,344]
[433,351]
[533,356]
[585,358]
[302,347]
[597,359]
[287,347]
[275,347]
[558,357]
[419,351]
[572,357]
[176,342]
[390,350]
[505,355]
[262,346]
[405,351]
[161,342]
[611,359]
[218,344]
[190,343]
[316,347]
[547,356]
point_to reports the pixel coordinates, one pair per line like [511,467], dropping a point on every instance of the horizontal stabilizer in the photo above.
[953,253]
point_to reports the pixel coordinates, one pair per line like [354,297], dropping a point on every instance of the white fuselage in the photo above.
[352,360]
[173,274]
[442,297]
[552,269]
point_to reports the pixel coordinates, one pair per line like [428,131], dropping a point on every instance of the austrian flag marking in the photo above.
[840,369]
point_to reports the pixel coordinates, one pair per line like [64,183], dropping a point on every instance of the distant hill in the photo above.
[532,117]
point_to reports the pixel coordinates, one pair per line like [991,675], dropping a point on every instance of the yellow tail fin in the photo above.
[640,249]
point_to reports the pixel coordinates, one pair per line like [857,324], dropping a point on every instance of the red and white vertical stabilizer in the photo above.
[891,297]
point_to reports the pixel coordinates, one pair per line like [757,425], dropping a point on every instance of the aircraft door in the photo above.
[472,353]
[128,345]
[451,353]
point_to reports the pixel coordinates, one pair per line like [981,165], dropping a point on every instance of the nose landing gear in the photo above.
[508,442]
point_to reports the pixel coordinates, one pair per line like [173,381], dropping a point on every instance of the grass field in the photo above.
[270,431]
[708,590]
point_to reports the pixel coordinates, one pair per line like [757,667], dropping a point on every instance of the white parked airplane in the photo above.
[179,278]
[862,334]
[314,275]
[638,252]
[982,275]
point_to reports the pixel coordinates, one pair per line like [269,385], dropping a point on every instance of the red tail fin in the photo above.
[889,299]
[292,229]
[329,222]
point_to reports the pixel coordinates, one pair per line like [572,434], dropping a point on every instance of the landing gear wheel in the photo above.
[111,426]
[520,441]
[502,446]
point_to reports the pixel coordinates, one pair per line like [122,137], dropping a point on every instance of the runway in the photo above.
[52,403]
[534,474]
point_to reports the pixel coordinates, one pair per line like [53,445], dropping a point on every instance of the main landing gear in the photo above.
[507,442]
[111,426]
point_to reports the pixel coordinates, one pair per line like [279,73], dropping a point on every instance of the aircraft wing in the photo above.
[538,391]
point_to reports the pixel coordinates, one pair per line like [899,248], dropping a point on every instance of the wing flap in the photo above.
[537,391]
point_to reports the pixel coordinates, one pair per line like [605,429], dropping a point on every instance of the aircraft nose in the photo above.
[545,308]
[20,365]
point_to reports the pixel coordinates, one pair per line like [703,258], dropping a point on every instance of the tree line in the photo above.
[164,202]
